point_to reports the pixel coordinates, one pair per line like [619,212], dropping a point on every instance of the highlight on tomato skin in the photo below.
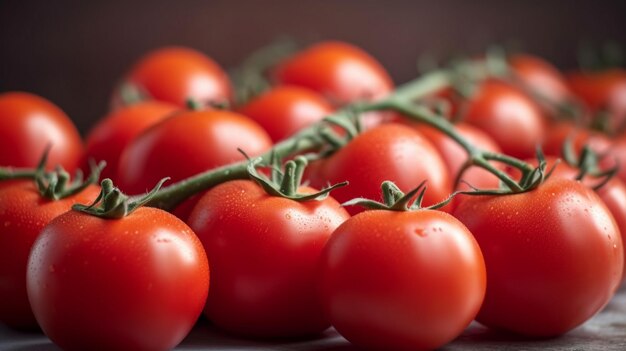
[189,143]
[402,280]
[284,110]
[176,74]
[508,115]
[386,152]
[554,257]
[264,253]
[30,123]
[137,283]
[108,138]
[341,72]
[541,77]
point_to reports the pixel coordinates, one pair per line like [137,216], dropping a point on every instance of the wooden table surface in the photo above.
[606,331]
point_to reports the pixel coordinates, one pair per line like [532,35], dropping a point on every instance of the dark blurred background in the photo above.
[73,52]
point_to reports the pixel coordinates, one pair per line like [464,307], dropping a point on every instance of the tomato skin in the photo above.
[176,74]
[387,152]
[554,256]
[205,139]
[28,124]
[559,132]
[264,254]
[284,110]
[602,90]
[341,72]
[541,77]
[108,138]
[138,283]
[455,156]
[23,213]
[509,116]
[402,280]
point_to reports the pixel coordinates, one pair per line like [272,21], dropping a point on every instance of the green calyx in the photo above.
[285,183]
[112,203]
[57,184]
[587,163]
[395,200]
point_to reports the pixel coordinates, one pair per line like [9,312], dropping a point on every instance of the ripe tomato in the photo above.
[23,213]
[509,116]
[137,283]
[284,110]
[114,132]
[28,124]
[541,77]
[176,74]
[554,256]
[602,90]
[341,72]
[264,254]
[613,193]
[455,156]
[616,155]
[388,152]
[186,144]
[559,132]
[402,280]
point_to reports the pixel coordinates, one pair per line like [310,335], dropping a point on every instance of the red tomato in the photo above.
[616,155]
[176,74]
[341,72]
[28,124]
[23,213]
[138,283]
[559,132]
[284,110]
[509,116]
[541,77]
[554,256]
[113,133]
[455,156]
[602,90]
[264,254]
[613,193]
[388,152]
[402,280]
[186,144]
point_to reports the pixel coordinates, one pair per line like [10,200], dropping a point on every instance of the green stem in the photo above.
[7,173]
[401,100]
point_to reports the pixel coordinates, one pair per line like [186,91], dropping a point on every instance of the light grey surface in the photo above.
[606,331]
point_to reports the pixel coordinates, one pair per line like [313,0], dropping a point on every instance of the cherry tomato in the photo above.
[264,254]
[541,77]
[28,124]
[388,152]
[455,156]
[613,193]
[554,256]
[23,213]
[402,280]
[176,74]
[186,144]
[113,133]
[603,90]
[509,116]
[341,72]
[284,110]
[138,283]
[559,132]
[616,156]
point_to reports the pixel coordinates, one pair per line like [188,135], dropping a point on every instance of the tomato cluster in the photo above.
[464,229]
